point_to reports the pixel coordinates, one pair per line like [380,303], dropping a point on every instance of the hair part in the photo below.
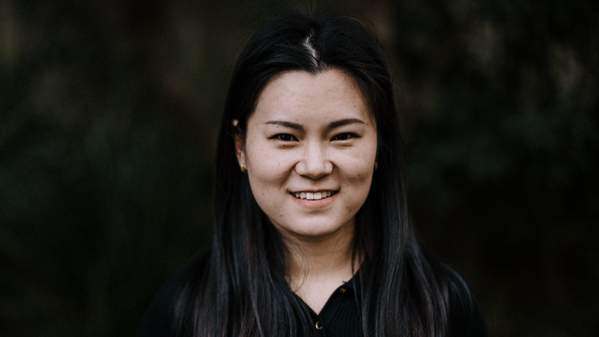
[308,44]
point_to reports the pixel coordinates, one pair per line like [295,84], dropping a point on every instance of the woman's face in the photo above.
[310,151]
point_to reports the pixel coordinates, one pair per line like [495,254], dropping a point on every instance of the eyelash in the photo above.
[346,134]
[286,137]
[279,137]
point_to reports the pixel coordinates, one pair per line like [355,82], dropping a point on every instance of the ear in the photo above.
[240,151]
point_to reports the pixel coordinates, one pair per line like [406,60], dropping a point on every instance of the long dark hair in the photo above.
[240,288]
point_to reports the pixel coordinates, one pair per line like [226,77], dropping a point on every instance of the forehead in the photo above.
[309,98]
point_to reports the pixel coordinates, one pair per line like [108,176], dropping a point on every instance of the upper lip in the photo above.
[315,190]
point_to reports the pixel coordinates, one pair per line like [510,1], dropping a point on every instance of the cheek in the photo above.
[268,170]
[358,166]
[357,178]
[268,167]
[262,161]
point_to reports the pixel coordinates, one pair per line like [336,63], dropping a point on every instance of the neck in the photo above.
[323,258]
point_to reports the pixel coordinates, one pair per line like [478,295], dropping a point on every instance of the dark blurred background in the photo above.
[108,115]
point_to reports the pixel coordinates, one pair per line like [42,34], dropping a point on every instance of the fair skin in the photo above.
[310,152]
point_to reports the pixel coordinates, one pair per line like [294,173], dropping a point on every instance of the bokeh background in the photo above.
[108,114]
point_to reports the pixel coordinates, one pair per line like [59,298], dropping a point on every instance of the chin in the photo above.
[312,229]
[315,233]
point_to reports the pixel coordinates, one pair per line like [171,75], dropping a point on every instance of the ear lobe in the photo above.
[239,151]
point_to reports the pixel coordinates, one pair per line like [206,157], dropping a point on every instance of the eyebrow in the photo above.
[332,125]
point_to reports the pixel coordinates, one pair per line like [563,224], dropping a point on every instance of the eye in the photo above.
[284,137]
[345,136]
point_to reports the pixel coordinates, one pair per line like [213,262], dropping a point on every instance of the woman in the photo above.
[312,235]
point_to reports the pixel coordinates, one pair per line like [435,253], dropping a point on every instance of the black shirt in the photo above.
[340,316]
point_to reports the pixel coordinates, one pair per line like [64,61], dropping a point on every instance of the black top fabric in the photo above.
[339,317]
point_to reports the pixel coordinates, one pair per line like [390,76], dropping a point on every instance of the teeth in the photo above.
[313,195]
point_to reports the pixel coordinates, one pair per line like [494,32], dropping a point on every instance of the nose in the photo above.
[314,163]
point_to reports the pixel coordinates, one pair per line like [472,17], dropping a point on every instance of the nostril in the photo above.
[314,169]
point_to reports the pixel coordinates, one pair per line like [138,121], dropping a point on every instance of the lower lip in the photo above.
[315,203]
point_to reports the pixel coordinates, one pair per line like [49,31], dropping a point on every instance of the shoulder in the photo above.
[463,313]
[160,319]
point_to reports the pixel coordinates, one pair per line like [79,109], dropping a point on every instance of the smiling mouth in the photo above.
[313,195]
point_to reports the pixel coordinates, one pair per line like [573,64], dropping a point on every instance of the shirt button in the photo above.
[342,290]
[317,325]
